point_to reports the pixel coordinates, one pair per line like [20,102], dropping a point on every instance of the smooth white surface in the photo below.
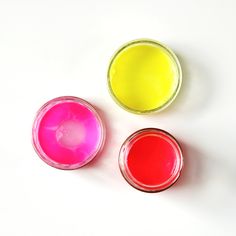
[53,48]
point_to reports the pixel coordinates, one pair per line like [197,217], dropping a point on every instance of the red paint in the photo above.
[152,160]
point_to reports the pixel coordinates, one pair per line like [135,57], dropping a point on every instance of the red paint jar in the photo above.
[151,160]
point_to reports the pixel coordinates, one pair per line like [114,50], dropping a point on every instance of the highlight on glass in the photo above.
[67,132]
[144,76]
[151,160]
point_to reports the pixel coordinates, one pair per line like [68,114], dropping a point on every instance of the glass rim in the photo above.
[130,179]
[173,57]
[36,123]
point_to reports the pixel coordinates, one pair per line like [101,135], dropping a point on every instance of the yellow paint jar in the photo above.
[144,76]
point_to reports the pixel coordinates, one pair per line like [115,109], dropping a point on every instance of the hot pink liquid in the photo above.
[69,133]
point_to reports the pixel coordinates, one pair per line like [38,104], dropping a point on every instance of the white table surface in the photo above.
[52,48]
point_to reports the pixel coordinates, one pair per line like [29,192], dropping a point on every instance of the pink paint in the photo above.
[67,133]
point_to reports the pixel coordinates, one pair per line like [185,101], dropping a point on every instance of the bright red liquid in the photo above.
[153,158]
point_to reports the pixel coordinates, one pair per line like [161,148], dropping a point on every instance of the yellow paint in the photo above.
[144,76]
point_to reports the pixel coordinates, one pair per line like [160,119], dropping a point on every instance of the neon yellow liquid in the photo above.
[144,76]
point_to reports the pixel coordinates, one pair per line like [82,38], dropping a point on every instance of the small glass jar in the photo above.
[67,132]
[151,160]
[144,76]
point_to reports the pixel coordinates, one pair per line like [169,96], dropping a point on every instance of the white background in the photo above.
[52,48]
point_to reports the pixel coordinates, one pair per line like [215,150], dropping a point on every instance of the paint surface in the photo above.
[143,76]
[153,158]
[69,133]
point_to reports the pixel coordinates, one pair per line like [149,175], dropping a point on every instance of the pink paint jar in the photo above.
[67,133]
